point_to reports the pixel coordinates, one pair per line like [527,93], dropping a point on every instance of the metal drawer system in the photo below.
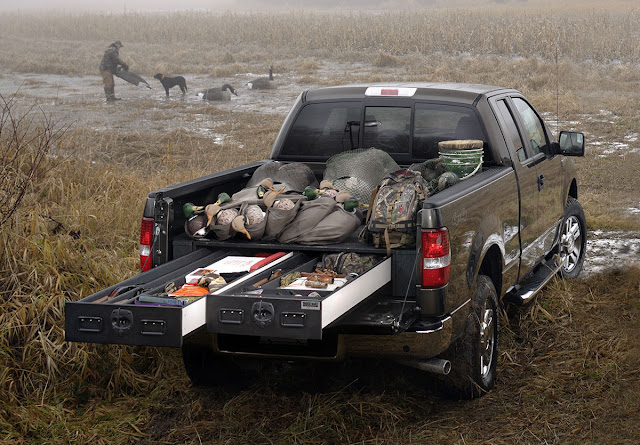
[112,317]
[282,313]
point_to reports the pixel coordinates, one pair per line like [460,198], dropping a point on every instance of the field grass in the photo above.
[568,364]
[200,42]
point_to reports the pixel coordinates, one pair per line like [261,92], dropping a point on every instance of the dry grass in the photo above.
[568,369]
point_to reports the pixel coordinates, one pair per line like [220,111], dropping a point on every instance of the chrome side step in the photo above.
[523,294]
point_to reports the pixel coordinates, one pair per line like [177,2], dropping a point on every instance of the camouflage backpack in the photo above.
[392,213]
[347,262]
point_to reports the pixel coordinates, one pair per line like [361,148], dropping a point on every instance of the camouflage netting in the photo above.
[359,171]
[295,176]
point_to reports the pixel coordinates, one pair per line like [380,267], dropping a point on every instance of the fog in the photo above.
[123,6]
[114,5]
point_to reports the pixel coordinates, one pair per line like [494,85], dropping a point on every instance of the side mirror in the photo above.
[570,143]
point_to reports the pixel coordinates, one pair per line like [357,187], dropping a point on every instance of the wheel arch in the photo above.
[491,266]
[573,190]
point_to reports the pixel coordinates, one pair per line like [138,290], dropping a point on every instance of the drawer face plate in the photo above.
[282,313]
[275,317]
[126,325]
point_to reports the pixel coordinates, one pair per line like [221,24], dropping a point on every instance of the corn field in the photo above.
[576,34]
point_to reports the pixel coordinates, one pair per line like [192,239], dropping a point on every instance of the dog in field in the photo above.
[170,82]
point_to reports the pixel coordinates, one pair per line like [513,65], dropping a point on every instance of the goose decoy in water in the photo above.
[263,83]
[222,93]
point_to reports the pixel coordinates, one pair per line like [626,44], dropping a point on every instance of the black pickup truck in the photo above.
[495,237]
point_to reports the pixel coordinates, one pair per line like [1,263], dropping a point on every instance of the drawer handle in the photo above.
[153,327]
[89,324]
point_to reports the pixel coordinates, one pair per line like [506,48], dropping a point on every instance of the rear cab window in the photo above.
[388,129]
[441,122]
[322,130]
[409,133]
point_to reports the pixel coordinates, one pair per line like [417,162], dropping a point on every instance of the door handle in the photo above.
[540,182]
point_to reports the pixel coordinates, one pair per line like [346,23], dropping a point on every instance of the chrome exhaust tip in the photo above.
[434,365]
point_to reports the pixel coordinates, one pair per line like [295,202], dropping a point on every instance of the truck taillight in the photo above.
[436,258]
[146,243]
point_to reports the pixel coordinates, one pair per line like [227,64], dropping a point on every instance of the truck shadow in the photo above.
[350,376]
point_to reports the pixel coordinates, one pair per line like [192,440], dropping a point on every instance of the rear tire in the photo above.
[474,355]
[573,239]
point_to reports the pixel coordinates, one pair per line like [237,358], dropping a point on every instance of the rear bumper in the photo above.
[422,342]
[426,341]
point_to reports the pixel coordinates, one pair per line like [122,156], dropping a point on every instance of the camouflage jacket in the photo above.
[111,60]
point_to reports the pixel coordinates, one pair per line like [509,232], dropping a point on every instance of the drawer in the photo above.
[300,313]
[119,320]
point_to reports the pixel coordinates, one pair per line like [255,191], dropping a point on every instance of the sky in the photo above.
[119,6]
[114,5]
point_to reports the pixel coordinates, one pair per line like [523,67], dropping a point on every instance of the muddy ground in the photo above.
[80,100]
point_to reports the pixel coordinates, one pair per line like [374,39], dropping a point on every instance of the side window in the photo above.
[439,122]
[511,131]
[324,129]
[532,126]
[387,128]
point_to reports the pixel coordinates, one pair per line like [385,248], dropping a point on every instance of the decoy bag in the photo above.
[319,222]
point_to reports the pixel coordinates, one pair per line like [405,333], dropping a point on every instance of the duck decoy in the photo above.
[284,204]
[189,209]
[351,204]
[342,196]
[226,216]
[263,186]
[196,226]
[211,210]
[263,83]
[238,225]
[326,184]
[270,196]
[222,93]
[223,198]
[254,215]
[312,193]
[328,190]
